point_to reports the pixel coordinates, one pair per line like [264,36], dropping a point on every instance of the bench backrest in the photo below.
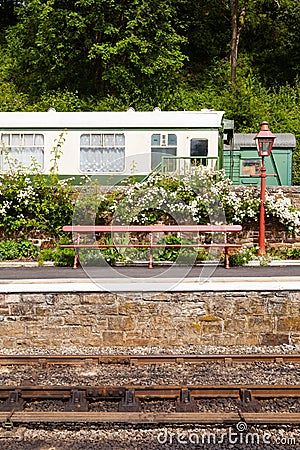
[151,228]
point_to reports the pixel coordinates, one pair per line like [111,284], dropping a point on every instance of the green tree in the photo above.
[275,51]
[7,15]
[207,30]
[107,47]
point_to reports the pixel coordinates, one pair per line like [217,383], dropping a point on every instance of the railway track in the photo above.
[76,401]
[45,360]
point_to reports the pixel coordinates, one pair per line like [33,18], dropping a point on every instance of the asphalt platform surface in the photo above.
[36,273]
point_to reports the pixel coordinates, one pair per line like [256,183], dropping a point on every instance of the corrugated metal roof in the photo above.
[285,140]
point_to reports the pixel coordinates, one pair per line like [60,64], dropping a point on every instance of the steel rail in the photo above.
[6,360]
[9,420]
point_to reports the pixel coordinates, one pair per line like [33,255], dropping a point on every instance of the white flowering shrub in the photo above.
[31,203]
[281,207]
[201,196]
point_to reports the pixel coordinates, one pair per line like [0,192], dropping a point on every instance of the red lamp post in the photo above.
[264,143]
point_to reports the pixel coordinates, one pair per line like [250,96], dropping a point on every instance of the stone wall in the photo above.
[141,319]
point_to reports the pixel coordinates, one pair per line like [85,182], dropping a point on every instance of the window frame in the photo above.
[102,146]
[22,146]
[163,148]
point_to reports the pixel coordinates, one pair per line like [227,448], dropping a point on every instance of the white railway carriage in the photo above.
[107,144]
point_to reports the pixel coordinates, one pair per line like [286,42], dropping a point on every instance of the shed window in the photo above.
[102,152]
[250,167]
[22,150]
[163,147]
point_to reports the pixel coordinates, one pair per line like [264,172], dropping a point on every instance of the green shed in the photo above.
[242,163]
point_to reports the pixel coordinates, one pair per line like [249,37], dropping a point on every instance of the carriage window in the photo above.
[102,152]
[163,147]
[22,150]
[199,147]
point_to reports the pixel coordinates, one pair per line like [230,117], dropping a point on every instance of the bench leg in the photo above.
[151,251]
[226,258]
[76,261]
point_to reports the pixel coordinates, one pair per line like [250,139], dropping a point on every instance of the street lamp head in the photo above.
[264,140]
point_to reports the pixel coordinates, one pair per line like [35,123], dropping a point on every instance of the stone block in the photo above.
[59,312]
[113,338]
[274,339]
[293,296]
[10,342]
[32,331]
[260,324]
[43,311]
[22,310]
[12,329]
[286,324]
[12,298]
[160,297]
[136,341]
[55,321]
[295,338]
[121,323]
[252,304]
[64,300]
[293,308]
[33,299]
[237,325]
[209,328]
[77,319]
[247,338]
[100,324]
[277,308]
[48,332]
[86,341]
[100,298]
[128,308]
[106,309]
[224,339]
[220,307]
[38,321]
[79,332]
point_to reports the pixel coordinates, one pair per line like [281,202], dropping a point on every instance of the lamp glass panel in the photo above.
[264,147]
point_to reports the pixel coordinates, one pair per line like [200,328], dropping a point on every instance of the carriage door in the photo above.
[198,148]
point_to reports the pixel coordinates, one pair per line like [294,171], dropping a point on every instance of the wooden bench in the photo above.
[80,230]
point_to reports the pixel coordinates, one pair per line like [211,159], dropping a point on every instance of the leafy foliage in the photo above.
[95,46]
[31,203]
[22,249]
[111,54]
